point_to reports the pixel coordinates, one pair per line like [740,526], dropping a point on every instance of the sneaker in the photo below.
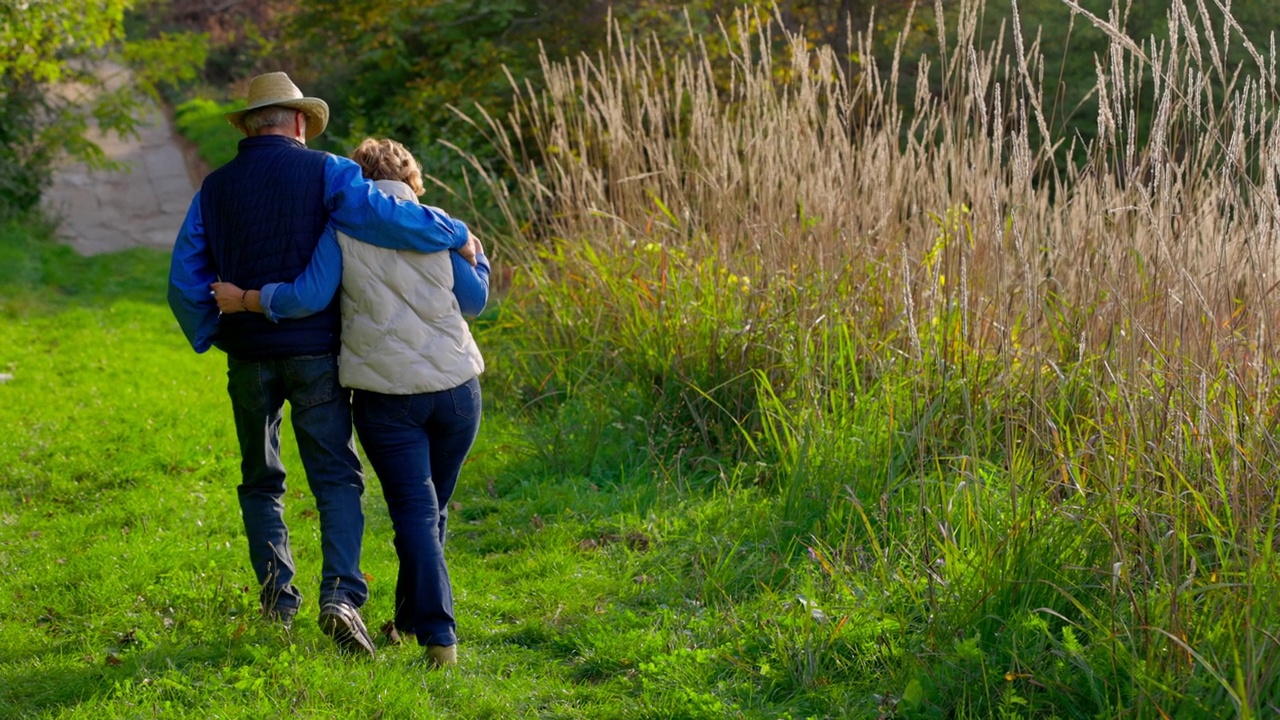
[438,656]
[280,616]
[341,621]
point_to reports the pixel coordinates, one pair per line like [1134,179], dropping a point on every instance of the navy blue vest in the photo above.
[263,213]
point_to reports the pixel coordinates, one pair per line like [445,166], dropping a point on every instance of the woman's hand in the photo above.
[230,298]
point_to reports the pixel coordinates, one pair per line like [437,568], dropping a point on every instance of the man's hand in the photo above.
[471,249]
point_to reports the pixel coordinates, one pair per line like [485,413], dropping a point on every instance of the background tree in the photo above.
[51,87]
[401,68]
[406,69]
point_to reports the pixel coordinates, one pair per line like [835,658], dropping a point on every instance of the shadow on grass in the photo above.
[60,680]
[38,273]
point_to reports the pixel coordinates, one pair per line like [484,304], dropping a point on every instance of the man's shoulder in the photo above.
[241,164]
[217,174]
[298,150]
[316,152]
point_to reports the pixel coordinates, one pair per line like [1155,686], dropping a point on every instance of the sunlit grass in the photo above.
[803,404]
[587,583]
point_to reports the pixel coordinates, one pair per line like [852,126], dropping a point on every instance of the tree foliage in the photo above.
[54,85]
[418,70]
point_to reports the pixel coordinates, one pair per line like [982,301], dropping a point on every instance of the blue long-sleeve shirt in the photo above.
[312,291]
[355,207]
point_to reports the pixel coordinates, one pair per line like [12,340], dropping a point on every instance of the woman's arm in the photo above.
[231,298]
[309,293]
[312,291]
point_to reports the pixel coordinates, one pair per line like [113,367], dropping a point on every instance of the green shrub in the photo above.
[203,122]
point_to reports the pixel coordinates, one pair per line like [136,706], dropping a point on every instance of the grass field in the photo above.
[804,402]
[582,590]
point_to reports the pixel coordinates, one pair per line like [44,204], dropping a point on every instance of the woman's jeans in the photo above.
[416,444]
[320,410]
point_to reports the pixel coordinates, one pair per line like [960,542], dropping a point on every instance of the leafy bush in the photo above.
[204,122]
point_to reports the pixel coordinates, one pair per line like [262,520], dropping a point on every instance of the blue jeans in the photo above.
[416,444]
[320,410]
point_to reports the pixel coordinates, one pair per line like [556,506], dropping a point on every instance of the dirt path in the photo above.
[142,206]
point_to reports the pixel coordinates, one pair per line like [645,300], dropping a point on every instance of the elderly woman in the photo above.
[408,354]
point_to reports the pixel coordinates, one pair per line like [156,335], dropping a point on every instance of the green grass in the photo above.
[587,584]
[597,572]
[885,452]
[1020,473]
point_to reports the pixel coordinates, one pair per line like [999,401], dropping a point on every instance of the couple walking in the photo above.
[267,242]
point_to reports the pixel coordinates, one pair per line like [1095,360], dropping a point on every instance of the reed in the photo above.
[1014,394]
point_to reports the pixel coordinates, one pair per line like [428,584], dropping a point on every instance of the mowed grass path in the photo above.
[125,589]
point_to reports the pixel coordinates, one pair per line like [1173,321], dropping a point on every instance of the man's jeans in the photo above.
[416,444]
[321,417]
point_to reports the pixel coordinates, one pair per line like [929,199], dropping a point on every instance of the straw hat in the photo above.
[277,89]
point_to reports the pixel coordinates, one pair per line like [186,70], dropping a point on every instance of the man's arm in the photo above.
[190,274]
[470,284]
[313,290]
[358,208]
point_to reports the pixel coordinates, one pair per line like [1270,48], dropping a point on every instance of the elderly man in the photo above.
[255,221]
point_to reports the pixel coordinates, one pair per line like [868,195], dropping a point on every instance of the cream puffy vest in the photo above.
[402,331]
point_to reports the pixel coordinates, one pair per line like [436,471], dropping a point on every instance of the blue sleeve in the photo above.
[470,284]
[313,290]
[361,210]
[191,272]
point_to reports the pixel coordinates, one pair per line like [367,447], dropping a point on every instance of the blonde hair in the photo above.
[389,160]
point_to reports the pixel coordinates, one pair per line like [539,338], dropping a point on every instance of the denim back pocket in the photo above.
[378,408]
[466,398]
[312,380]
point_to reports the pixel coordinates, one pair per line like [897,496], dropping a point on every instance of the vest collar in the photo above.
[396,189]
[266,141]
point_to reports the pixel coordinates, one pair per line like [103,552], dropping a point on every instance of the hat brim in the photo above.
[316,110]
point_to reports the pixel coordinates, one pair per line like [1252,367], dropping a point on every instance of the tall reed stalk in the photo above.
[1022,402]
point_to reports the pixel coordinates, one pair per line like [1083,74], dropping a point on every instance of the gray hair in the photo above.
[272,116]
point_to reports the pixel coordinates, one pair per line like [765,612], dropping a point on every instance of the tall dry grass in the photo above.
[1038,391]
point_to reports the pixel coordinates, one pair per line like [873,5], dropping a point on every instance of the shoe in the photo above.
[341,621]
[438,656]
[281,616]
